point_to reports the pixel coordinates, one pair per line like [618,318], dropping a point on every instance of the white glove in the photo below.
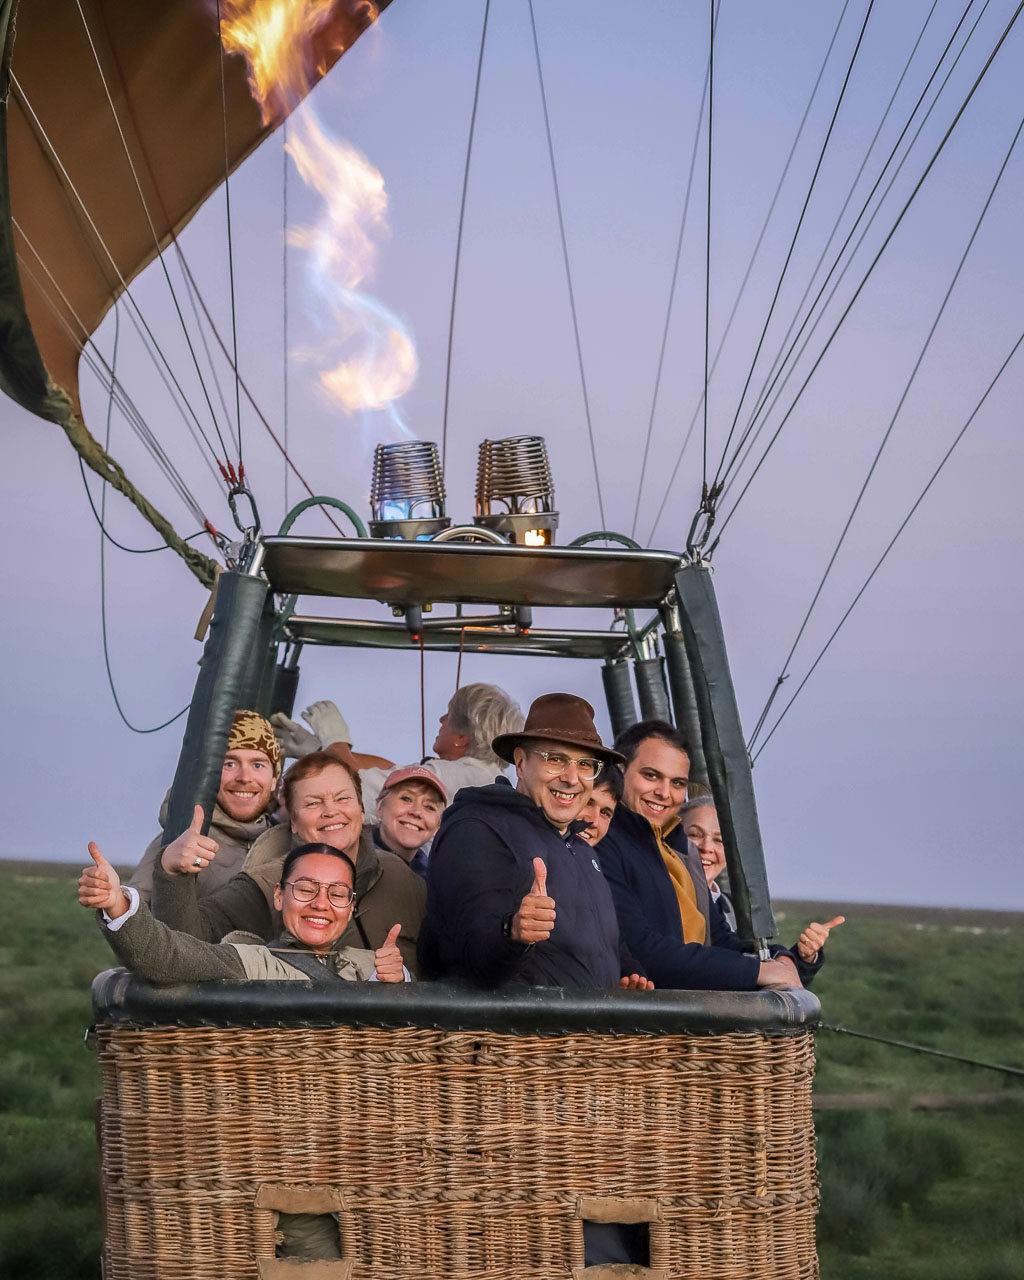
[327,723]
[292,738]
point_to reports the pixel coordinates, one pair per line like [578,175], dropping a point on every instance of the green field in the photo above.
[921,1159]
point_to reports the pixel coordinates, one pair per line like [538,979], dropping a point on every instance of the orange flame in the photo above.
[279,40]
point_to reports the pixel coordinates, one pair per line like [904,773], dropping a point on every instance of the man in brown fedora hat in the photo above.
[513,893]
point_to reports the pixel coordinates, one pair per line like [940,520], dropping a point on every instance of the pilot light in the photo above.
[514,493]
[407,493]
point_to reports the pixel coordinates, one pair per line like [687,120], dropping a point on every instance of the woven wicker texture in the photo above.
[457,1155]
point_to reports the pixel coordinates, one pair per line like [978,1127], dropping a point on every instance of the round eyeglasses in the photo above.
[338,895]
[556,761]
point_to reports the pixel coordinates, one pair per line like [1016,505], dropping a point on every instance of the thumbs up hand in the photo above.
[535,918]
[815,936]
[388,959]
[99,886]
[192,851]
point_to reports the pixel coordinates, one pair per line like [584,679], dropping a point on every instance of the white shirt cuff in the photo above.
[133,901]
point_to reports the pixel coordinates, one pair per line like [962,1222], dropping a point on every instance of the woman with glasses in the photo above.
[315,897]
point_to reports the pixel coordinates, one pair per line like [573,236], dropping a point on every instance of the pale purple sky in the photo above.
[895,776]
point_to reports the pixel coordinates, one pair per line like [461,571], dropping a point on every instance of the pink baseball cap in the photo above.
[418,772]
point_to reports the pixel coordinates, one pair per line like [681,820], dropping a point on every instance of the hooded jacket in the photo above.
[387,893]
[234,840]
[481,868]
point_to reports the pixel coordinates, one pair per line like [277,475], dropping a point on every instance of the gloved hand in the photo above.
[327,723]
[293,739]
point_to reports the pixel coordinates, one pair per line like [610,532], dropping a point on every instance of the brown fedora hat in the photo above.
[558,717]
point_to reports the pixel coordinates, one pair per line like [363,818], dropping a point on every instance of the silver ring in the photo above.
[198,862]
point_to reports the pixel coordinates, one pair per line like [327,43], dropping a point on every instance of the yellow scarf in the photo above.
[694,924]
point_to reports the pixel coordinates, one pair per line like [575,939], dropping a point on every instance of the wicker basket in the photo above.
[456,1153]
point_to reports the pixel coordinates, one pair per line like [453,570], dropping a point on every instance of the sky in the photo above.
[894,777]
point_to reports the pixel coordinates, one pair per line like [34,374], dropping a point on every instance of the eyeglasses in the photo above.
[556,761]
[338,895]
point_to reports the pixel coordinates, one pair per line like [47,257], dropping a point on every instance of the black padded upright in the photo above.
[235,632]
[725,751]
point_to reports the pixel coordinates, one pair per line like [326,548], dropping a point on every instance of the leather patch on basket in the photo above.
[619,1271]
[291,1199]
[296,1269]
[618,1209]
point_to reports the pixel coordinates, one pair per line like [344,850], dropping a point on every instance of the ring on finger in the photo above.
[198,862]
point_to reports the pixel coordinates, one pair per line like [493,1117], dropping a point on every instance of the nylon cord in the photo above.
[103,571]
[707,239]
[458,238]
[231,251]
[881,559]
[747,273]
[568,272]
[746,442]
[899,407]
[923,1048]
[877,257]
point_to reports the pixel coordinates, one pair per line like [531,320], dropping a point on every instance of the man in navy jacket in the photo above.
[513,893]
[661,898]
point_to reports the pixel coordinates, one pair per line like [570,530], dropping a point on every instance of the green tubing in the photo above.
[605,535]
[299,507]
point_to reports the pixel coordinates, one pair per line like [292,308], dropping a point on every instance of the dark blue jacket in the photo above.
[481,868]
[649,919]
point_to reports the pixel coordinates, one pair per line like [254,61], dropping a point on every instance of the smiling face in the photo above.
[325,809]
[246,784]
[561,794]
[319,923]
[701,826]
[409,816]
[655,781]
[597,813]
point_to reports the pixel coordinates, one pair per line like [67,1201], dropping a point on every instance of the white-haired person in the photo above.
[701,827]
[463,757]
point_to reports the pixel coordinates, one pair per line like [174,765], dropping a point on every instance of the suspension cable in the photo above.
[135,551]
[568,272]
[70,186]
[796,235]
[671,296]
[458,238]
[875,260]
[145,209]
[746,275]
[103,571]
[881,559]
[787,362]
[707,238]
[779,357]
[231,251]
[86,349]
[284,303]
[896,413]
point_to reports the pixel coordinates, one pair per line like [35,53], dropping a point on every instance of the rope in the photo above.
[796,234]
[671,299]
[743,447]
[103,567]
[881,559]
[747,273]
[458,668]
[892,421]
[284,302]
[423,700]
[874,262]
[458,239]
[707,238]
[135,551]
[922,1048]
[568,272]
[231,252]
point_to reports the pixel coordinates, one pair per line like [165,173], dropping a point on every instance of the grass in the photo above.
[906,1194]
